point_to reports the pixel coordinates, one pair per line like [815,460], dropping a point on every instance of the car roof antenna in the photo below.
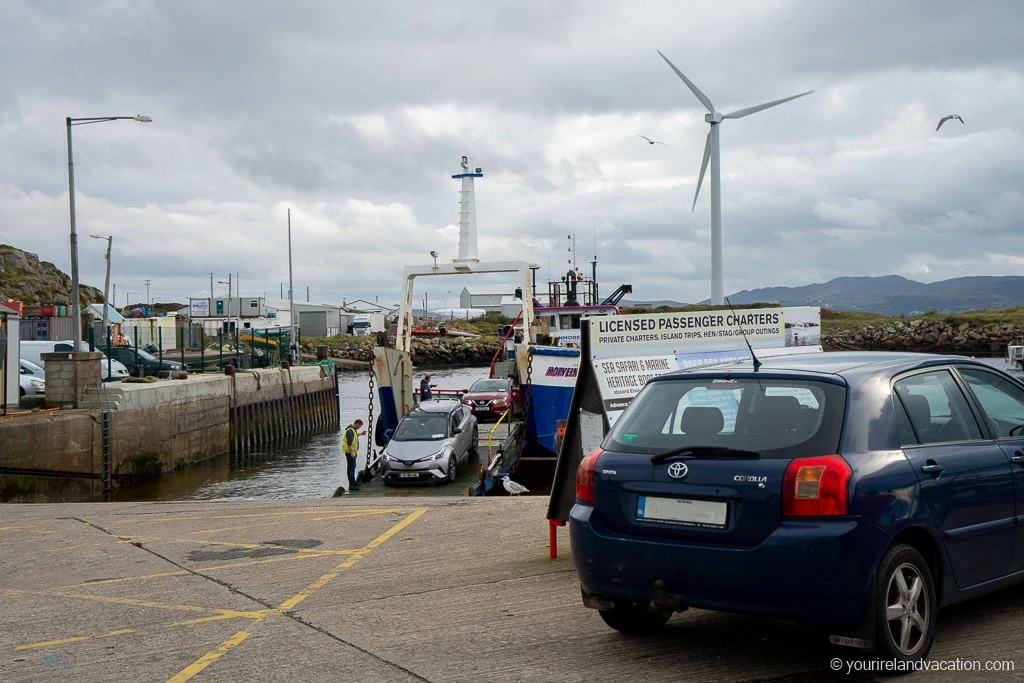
[757,363]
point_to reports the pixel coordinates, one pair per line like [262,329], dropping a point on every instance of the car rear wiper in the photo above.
[698,451]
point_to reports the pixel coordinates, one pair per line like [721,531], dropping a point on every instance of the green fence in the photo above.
[191,347]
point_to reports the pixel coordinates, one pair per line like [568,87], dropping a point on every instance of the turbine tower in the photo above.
[711,151]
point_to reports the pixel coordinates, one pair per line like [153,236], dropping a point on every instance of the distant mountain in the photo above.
[895,295]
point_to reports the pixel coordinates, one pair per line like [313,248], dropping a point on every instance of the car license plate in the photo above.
[408,475]
[688,511]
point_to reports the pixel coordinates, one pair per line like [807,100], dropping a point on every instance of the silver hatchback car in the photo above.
[430,444]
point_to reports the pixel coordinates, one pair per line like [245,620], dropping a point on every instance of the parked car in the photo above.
[857,491]
[111,370]
[430,444]
[491,398]
[141,363]
[32,378]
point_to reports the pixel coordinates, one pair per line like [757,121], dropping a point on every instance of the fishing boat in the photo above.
[545,363]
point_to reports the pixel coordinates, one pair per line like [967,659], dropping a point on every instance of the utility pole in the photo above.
[227,313]
[307,294]
[211,291]
[106,285]
[293,354]
[147,283]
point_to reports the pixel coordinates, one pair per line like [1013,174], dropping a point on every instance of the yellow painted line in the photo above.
[128,601]
[209,658]
[77,639]
[416,514]
[35,531]
[311,554]
[257,616]
[224,615]
[319,583]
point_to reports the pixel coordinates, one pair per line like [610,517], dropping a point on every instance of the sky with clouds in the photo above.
[354,116]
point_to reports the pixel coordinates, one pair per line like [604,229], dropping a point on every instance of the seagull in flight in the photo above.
[512,487]
[653,142]
[947,118]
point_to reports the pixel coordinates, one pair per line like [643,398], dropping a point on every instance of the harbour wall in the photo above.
[934,337]
[126,432]
[427,352]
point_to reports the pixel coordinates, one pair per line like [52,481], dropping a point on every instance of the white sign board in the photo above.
[629,350]
[200,308]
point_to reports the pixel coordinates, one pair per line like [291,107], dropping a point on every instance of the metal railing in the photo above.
[191,347]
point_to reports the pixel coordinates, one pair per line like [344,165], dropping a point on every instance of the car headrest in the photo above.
[917,406]
[701,420]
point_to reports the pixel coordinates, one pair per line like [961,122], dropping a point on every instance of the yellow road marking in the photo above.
[319,583]
[209,658]
[218,614]
[310,554]
[258,617]
[136,603]
[77,639]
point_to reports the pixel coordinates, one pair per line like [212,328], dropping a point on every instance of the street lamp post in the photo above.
[106,285]
[76,310]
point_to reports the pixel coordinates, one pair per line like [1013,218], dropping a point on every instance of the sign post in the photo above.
[620,354]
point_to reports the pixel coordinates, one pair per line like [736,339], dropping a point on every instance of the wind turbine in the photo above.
[711,151]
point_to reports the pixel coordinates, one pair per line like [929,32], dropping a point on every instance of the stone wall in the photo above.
[427,352]
[917,335]
[156,427]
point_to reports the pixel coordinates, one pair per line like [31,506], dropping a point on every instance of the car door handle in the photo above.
[1017,457]
[933,468]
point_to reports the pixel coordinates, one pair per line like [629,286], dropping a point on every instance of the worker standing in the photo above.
[350,447]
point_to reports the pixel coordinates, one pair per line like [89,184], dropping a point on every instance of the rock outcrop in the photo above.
[917,335]
[427,352]
[24,278]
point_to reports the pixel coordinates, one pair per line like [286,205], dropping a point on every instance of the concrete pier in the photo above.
[124,431]
[373,589]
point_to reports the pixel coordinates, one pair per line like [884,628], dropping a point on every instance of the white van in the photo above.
[110,370]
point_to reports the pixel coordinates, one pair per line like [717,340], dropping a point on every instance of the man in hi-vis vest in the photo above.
[350,447]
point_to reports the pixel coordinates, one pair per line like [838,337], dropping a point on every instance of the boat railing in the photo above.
[500,354]
[492,460]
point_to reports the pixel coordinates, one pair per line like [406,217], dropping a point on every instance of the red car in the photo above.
[490,398]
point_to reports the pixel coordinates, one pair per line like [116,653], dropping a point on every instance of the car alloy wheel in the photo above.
[452,467]
[905,604]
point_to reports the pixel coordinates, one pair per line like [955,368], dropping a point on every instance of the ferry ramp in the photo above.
[366,589]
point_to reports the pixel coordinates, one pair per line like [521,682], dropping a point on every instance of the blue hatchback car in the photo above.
[859,491]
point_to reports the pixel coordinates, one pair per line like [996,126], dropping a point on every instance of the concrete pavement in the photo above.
[373,589]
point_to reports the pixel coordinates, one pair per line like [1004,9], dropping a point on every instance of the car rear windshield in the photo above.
[774,417]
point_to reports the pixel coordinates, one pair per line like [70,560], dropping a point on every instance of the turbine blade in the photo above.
[696,91]
[703,167]
[740,113]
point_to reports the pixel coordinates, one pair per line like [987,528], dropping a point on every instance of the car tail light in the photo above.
[815,487]
[585,476]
